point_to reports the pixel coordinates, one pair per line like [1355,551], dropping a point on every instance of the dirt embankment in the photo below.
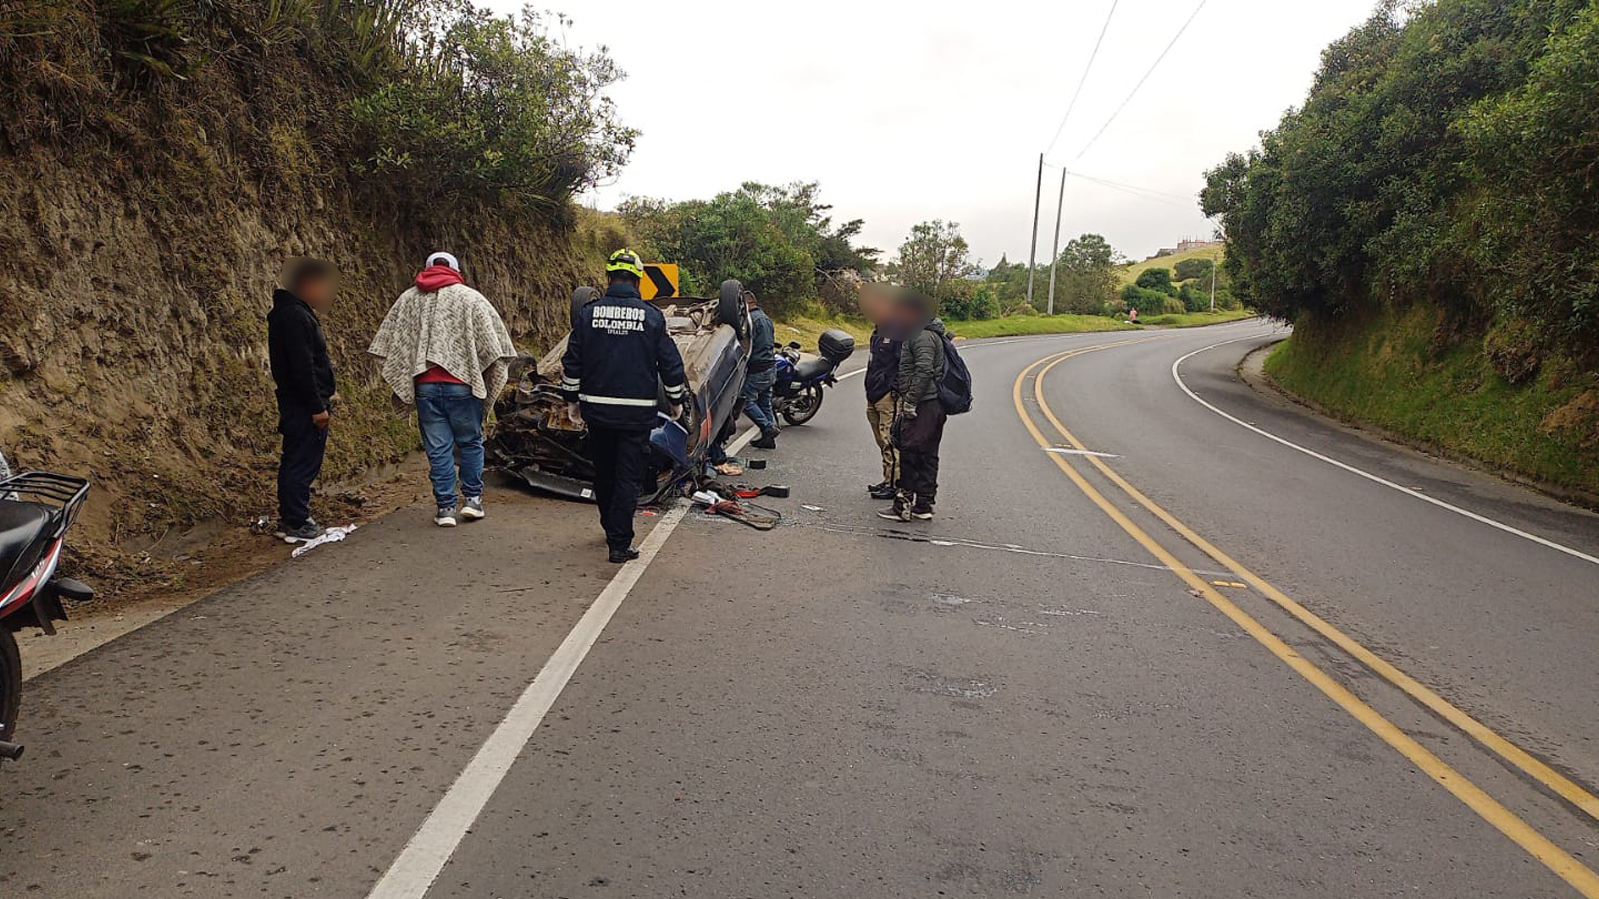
[139,245]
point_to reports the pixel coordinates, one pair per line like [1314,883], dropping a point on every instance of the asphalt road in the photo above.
[1206,664]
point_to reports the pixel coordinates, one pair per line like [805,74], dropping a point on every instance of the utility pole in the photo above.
[1213,264]
[1054,251]
[1032,255]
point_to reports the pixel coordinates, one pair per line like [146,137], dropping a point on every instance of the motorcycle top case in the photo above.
[835,345]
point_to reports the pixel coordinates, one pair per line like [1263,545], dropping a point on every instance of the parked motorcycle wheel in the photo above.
[10,685]
[803,407]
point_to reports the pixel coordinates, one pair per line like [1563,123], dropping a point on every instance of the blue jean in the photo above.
[758,398]
[451,419]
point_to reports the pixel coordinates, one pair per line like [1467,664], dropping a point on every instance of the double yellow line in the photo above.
[1507,822]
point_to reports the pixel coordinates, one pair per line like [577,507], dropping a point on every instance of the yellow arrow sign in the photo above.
[660,280]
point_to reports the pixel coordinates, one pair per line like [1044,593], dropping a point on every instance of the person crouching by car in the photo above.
[882,368]
[759,377]
[303,375]
[919,423]
[446,351]
[617,357]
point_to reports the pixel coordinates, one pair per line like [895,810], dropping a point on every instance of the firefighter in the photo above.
[617,360]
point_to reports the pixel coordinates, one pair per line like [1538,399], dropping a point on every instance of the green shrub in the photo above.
[1156,279]
[495,107]
[1188,269]
[1145,300]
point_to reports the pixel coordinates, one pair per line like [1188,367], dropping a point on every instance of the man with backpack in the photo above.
[919,421]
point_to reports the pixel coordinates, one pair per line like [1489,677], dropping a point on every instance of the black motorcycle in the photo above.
[36,509]
[799,377]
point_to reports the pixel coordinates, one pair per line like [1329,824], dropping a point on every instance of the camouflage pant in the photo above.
[880,415]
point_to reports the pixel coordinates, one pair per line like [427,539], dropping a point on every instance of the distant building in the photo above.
[1194,243]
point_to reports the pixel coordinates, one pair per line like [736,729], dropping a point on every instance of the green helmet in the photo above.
[626,261]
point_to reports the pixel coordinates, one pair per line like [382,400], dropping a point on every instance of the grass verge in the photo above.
[806,328]
[1394,371]
[1195,319]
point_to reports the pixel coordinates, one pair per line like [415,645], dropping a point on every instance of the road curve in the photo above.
[1038,693]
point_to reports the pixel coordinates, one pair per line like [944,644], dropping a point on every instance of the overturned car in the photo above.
[536,440]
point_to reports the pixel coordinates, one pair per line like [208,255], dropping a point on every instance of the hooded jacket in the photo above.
[921,364]
[298,352]
[882,367]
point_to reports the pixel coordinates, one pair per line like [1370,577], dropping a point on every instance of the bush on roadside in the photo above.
[1156,279]
[967,300]
[1145,300]
[1189,269]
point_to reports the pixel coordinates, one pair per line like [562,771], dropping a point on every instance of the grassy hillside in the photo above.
[1130,273]
[1409,374]
[143,223]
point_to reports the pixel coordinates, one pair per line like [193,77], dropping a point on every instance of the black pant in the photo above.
[618,458]
[919,438]
[303,446]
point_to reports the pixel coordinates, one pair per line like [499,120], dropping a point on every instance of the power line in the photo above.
[1140,192]
[1132,187]
[1141,81]
[1082,81]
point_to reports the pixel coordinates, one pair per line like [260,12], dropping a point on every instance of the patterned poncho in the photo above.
[455,328]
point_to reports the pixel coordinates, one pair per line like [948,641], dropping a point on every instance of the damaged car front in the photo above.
[536,440]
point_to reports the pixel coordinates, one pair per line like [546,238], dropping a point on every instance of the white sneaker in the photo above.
[472,509]
[445,517]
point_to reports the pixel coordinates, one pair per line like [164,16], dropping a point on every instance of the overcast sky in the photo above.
[913,111]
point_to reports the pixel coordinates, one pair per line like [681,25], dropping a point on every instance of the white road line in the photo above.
[1483,519]
[1066,451]
[430,848]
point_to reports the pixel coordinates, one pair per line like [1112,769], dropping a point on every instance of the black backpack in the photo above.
[955,386]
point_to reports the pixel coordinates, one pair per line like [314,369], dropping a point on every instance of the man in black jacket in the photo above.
[617,357]
[920,423]
[882,369]
[303,374]
[758,376]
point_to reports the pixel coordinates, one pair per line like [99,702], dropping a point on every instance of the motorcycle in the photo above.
[36,509]
[798,377]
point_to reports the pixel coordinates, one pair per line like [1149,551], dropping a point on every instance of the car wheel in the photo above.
[582,297]
[730,307]
[804,407]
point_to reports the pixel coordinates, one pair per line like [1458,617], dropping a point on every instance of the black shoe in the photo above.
[299,533]
[882,491]
[618,556]
[768,439]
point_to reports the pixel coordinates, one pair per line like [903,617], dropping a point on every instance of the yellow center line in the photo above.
[1507,822]
[1535,768]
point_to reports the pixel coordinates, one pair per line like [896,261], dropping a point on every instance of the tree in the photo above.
[1189,269]
[933,257]
[1085,275]
[1445,156]
[778,240]
[490,106]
